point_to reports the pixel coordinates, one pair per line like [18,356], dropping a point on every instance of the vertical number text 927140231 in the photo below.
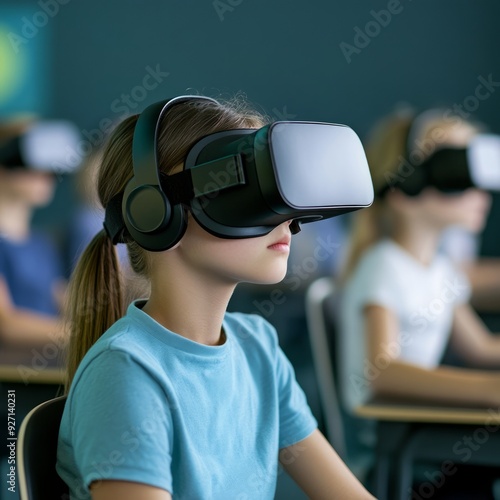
[11,440]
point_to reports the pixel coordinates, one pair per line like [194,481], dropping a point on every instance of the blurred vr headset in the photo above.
[448,169]
[456,169]
[239,183]
[43,146]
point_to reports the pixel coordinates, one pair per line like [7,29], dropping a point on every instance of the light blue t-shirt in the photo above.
[203,422]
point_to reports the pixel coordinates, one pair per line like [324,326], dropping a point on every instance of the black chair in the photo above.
[37,452]
[346,433]
[320,338]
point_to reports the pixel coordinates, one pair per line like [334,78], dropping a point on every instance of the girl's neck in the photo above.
[15,219]
[194,310]
[419,240]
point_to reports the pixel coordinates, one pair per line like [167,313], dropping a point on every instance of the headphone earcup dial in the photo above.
[147,209]
[151,220]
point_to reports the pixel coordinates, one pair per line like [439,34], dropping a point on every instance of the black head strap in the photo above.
[10,153]
[181,188]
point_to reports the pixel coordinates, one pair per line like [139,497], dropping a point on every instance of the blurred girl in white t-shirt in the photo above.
[403,301]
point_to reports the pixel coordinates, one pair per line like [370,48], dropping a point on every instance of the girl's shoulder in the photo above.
[116,339]
[122,344]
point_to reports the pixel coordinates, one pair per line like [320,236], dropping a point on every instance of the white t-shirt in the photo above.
[460,245]
[423,299]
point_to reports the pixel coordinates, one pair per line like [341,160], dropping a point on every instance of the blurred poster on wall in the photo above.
[25,66]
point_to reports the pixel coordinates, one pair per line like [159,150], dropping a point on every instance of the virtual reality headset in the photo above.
[239,183]
[43,146]
[447,168]
[457,169]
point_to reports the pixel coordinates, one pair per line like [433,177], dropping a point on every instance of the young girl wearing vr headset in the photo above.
[174,397]
[403,300]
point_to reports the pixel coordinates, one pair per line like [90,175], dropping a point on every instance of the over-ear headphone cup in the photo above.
[147,209]
[165,237]
[151,220]
[169,235]
[148,215]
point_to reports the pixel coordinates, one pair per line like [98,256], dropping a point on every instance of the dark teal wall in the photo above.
[284,54]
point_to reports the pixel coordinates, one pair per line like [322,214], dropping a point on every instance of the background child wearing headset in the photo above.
[31,269]
[203,412]
[403,300]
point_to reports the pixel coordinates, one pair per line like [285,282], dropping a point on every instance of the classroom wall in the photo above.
[342,61]
[346,61]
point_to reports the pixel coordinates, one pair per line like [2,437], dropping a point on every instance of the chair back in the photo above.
[318,298]
[37,453]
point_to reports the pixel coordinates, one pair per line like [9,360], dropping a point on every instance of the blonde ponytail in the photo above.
[385,149]
[95,299]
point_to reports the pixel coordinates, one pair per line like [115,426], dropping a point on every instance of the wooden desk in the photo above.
[425,412]
[31,365]
[410,432]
